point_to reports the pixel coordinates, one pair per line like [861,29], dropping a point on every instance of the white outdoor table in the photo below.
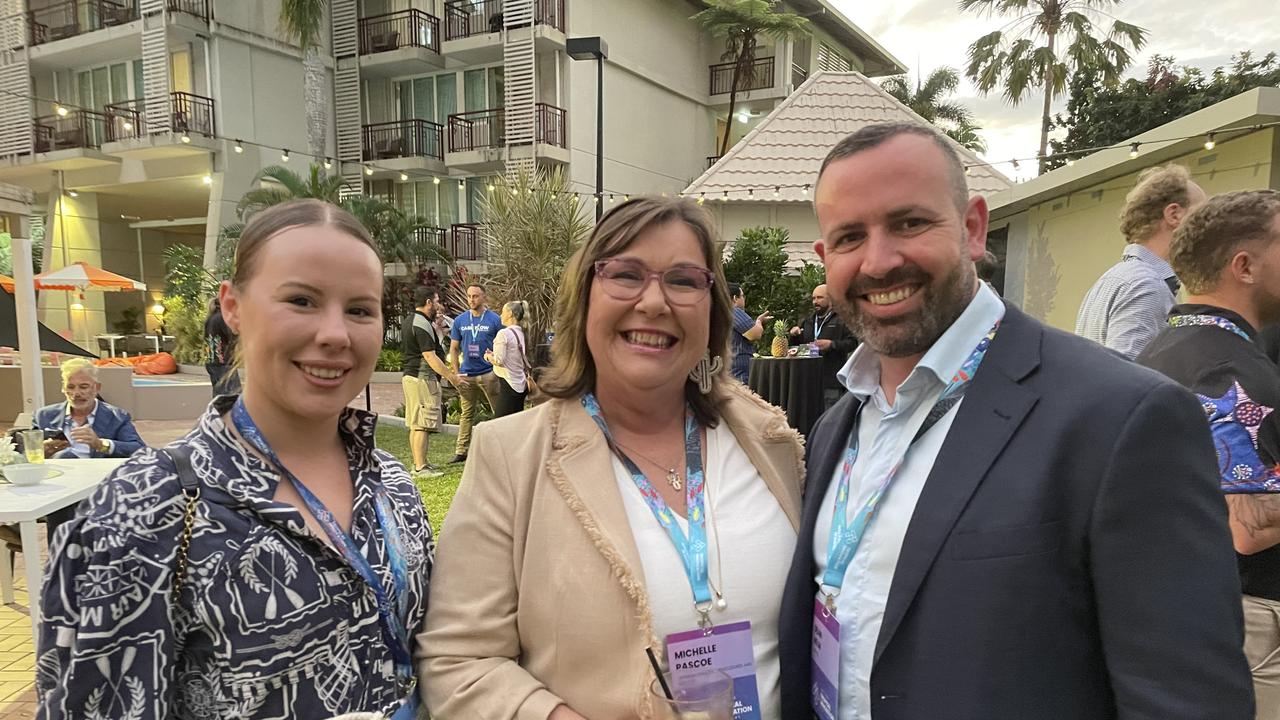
[24,505]
[155,340]
[111,342]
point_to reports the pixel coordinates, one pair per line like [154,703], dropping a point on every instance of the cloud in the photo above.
[925,34]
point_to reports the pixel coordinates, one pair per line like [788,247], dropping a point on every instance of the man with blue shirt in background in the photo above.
[472,335]
[745,333]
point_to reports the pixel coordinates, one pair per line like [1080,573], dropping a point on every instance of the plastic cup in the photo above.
[706,696]
[33,445]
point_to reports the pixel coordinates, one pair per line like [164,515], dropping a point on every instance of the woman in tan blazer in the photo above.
[562,560]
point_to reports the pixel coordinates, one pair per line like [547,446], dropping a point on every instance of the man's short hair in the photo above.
[477,286]
[735,290]
[871,136]
[1157,188]
[1216,231]
[422,294]
[75,365]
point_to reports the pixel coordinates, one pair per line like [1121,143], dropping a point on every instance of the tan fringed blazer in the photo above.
[538,593]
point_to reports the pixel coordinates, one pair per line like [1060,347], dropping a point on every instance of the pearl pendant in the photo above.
[721,603]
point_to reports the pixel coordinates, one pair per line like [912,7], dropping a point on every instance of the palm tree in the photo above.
[285,184]
[302,21]
[742,23]
[534,224]
[928,100]
[1046,42]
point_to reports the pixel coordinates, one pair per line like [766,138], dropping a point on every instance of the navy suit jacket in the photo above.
[1068,558]
[109,422]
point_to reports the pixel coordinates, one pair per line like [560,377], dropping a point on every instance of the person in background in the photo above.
[472,334]
[988,266]
[86,425]
[825,329]
[1128,304]
[1002,520]
[561,564]
[421,367]
[746,332]
[220,344]
[1227,253]
[509,360]
[273,563]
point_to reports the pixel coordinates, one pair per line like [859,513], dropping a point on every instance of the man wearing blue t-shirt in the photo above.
[472,335]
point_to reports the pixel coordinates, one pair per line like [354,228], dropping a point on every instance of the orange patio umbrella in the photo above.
[6,283]
[83,276]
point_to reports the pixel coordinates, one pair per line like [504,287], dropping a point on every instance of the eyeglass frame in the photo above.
[651,275]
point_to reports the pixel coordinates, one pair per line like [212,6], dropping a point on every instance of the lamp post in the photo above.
[594,48]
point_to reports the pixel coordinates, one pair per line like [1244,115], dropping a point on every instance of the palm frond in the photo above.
[302,20]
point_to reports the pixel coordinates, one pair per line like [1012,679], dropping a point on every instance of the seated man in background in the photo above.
[90,427]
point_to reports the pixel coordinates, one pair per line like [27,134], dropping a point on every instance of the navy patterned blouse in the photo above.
[272,622]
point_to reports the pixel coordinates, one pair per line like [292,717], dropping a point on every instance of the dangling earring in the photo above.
[705,371]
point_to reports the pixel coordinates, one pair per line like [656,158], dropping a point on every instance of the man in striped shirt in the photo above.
[1128,305]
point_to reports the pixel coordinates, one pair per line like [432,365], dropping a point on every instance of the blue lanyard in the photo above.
[846,534]
[1178,321]
[817,329]
[473,329]
[393,629]
[692,549]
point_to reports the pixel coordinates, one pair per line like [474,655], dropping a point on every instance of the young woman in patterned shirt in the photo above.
[310,552]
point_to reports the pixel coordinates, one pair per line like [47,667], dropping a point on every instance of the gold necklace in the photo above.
[673,477]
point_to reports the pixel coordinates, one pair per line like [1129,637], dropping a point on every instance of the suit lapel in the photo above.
[993,408]
[823,456]
[582,468]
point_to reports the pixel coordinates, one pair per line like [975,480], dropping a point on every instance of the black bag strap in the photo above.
[181,457]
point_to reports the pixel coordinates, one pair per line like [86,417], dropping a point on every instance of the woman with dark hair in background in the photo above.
[221,345]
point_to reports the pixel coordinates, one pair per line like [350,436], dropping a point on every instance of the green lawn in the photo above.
[437,492]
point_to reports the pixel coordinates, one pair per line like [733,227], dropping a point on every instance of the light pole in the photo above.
[594,48]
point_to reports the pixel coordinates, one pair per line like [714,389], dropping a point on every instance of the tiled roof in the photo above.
[788,145]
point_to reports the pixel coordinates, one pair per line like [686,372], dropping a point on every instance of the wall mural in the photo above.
[1041,284]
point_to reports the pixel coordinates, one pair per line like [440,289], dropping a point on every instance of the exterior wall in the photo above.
[1060,246]
[732,218]
[76,237]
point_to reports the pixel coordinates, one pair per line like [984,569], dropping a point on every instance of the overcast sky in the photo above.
[929,33]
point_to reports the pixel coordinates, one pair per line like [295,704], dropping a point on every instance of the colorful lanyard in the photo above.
[1178,321]
[847,534]
[692,549]
[817,329]
[393,629]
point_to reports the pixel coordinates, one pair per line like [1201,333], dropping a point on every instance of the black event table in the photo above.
[793,384]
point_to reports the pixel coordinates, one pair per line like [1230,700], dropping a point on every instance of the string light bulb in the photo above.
[404,177]
[806,190]
[1015,163]
[702,197]
[207,179]
[1133,150]
[435,180]
[1071,162]
[610,198]
[328,165]
[239,148]
[284,156]
[777,191]
[60,110]
[1209,144]
[186,139]
[368,169]
[490,187]
[462,184]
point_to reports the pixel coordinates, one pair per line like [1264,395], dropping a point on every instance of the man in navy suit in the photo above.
[1002,521]
[91,426]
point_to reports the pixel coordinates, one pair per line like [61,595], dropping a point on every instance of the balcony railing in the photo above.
[713,159]
[759,77]
[76,129]
[187,114]
[464,18]
[75,17]
[195,8]
[427,243]
[487,128]
[192,113]
[392,31]
[403,138]
[465,242]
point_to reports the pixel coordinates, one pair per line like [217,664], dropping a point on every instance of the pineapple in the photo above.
[779,347]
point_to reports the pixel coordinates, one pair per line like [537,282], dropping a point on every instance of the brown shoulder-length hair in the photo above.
[573,370]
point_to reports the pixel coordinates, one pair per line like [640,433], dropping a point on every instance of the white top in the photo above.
[509,363]
[884,434]
[745,519]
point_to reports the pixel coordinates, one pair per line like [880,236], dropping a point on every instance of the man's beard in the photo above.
[915,332]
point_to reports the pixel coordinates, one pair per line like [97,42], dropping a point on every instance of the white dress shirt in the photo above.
[81,450]
[885,431]
[748,531]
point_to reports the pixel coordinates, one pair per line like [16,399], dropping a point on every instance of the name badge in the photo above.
[726,648]
[473,350]
[826,661]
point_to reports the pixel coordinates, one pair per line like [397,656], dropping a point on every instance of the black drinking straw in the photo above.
[653,660]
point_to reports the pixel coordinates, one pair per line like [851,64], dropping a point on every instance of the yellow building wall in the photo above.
[1074,238]
[76,238]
